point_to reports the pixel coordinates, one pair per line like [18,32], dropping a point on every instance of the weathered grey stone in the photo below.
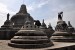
[30,35]
[63,32]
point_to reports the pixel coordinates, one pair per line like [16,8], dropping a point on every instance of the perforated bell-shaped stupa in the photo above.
[30,36]
[61,29]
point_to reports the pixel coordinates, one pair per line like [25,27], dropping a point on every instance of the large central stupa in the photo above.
[19,19]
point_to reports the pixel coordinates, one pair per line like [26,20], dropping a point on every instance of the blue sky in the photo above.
[40,9]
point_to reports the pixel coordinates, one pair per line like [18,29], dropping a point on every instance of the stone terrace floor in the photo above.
[4,46]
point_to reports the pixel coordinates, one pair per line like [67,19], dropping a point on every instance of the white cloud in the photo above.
[35,6]
[3,13]
[42,4]
[4,9]
[30,8]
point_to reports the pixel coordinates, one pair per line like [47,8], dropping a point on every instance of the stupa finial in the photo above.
[43,26]
[60,15]
[69,24]
[43,20]
[23,9]
[8,16]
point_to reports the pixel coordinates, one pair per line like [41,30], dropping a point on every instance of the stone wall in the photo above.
[5,35]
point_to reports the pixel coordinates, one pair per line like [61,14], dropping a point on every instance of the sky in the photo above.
[40,9]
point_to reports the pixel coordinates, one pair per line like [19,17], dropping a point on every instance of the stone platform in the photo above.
[57,46]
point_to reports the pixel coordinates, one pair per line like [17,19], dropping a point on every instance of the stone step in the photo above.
[28,41]
[30,37]
[30,45]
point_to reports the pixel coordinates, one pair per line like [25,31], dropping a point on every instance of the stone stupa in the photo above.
[61,30]
[30,36]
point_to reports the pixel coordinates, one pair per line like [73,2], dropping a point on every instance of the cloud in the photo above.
[3,13]
[4,9]
[35,5]
[42,4]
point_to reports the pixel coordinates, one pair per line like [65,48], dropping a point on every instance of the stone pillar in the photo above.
[8,16]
